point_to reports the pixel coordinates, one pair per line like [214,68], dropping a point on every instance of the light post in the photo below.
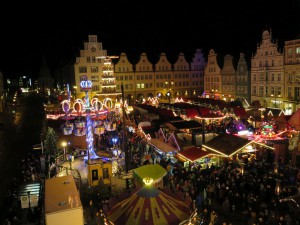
[64,145]
[169,96]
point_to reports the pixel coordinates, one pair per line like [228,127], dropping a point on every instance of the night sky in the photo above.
[58,31]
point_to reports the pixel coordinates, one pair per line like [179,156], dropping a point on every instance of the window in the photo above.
[261,77]
[297,92]
[290,78]
[88,59]
[279,77]
[279,91]
[94,69]
[298,50]
[105,172]
[289,92]
[266,63]
[254,90]
[272,77]
[82,69]
[272,90]
[261,90]
[95,79]
[297,78]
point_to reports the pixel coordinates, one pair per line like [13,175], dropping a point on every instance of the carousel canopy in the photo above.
[154,171]
[149,206]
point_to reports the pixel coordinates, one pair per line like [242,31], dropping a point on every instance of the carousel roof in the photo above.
[155,171]
[149,206]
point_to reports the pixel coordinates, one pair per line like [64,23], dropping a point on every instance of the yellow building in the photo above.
[99,170]
[212,77]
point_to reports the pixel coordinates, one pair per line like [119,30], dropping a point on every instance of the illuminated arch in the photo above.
[65,105]
[96,104]
[78,105]
[107,101]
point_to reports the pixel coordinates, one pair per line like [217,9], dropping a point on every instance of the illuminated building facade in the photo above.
[143,79]
[228,79]
[267,73]
[243,81]
[292,75]
[212,77]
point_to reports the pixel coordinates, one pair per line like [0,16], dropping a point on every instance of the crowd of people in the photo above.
[12,213]
[253,192]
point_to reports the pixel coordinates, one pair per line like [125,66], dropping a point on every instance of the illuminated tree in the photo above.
[51,142]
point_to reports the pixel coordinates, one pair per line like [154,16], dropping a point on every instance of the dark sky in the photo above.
[57,31]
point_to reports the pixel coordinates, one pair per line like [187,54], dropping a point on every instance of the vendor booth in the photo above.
[163,149]
[196,156]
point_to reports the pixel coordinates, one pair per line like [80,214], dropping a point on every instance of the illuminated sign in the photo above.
[86,84]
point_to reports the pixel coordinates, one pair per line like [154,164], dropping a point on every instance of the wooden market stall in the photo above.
[196,156]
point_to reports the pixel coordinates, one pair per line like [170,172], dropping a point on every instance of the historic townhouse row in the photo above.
[272,77]
[144,79]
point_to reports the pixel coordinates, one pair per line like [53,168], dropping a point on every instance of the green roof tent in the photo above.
[154,171]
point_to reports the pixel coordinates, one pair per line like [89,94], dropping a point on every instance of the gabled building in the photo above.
[198,65]
[144,79]
[89,64]
[292,75]
[267,73]
[182,78]
[228,79]
[243,81]
[125,75]
[212,77]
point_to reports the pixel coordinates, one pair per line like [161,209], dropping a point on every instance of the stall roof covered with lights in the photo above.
[193,154]
[180,125]
[162,145]
[273,112]
[227,145]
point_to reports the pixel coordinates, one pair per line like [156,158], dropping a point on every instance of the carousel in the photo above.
[149,205]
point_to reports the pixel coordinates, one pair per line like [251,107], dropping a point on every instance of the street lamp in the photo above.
[169,96]
[64,144]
